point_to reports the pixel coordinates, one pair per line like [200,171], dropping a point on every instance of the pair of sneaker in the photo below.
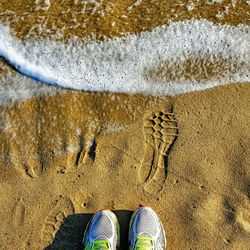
[145,231]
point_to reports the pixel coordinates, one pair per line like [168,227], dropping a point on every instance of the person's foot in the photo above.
[102,232]
[146,230]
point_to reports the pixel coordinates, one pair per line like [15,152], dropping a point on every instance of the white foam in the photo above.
[121,64]
[16,87]
[217,1]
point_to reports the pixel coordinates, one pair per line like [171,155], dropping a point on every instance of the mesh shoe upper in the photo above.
[101,227]
[102,231]
[146,230]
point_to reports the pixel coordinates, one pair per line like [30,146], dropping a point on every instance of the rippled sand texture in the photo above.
[102,18]
[65,156]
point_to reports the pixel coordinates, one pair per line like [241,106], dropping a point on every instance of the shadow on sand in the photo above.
[70,234]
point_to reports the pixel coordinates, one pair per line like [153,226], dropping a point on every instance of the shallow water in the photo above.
[182,57]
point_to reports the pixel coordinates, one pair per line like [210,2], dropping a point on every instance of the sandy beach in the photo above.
[65,154]
[95,159]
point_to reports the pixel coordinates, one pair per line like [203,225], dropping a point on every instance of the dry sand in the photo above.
[63,157]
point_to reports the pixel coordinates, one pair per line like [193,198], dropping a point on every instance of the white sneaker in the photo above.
[146,231]
[102,232]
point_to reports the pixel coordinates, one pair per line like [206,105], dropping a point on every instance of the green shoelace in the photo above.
[98,245]
[144,243]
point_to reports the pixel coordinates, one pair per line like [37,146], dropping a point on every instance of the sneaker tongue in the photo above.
[145,235]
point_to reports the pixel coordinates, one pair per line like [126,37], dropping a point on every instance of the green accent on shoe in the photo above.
[144,243]
[98,244]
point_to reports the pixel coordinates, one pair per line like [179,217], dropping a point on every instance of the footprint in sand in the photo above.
[34,170]
[19,214]
[84,147]
[89,147]
[86,153]
[243,217]
[161,131]
[63,208]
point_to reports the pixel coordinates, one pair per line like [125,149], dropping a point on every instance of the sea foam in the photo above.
[127,64]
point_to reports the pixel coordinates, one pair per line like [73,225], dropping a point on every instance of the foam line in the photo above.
[121,64]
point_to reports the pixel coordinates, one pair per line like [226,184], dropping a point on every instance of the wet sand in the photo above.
[65,156]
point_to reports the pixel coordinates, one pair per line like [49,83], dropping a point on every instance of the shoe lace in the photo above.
[98,245]
[144,243]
